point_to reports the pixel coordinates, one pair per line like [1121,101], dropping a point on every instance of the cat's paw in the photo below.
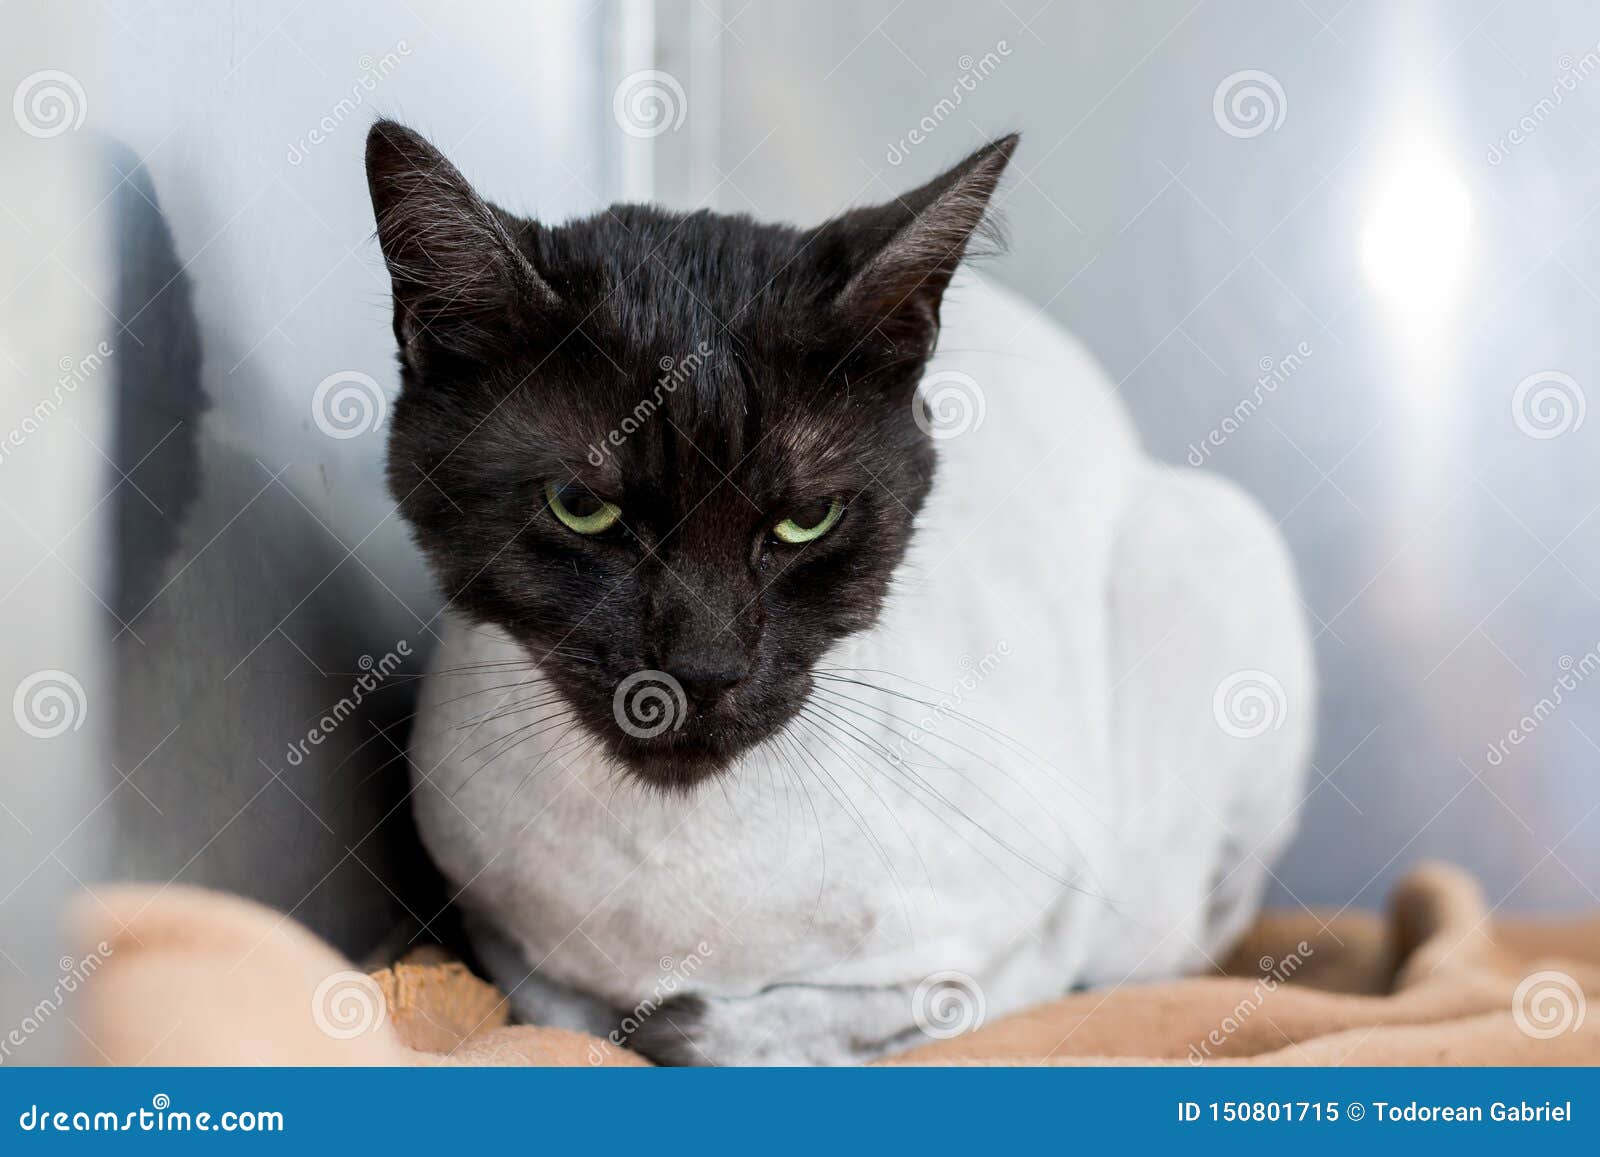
[668,1035]
[782,1025]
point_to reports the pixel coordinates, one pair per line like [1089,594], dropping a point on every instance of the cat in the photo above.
[826,668]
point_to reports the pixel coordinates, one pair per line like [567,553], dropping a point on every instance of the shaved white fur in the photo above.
[1076,814]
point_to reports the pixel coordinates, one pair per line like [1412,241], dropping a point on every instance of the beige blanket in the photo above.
[183,976]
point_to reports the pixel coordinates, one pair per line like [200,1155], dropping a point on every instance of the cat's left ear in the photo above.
[907,250]
[462,287]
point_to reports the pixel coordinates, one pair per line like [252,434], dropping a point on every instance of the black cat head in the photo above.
[674,456]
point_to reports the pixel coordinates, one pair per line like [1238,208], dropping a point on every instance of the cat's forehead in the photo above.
[716,418]
[704,353]
[663,277]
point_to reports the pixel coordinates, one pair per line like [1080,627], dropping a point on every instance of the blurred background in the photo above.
[1342,252]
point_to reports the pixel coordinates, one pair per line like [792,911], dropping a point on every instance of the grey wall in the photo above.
[55,698]
[1450,561]
[258,574]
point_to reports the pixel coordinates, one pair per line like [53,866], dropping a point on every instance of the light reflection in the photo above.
[1416,247]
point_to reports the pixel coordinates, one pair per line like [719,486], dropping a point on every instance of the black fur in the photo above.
[668,1035]
[709,374]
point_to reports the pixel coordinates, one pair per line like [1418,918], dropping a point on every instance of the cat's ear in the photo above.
[461,284]
[907,251]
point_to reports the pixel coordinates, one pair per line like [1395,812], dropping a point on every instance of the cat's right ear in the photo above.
[904,254]
[461,285]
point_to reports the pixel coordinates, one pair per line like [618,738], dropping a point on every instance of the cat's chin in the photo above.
[676,773]
[679,769]
[679,772]
[684,761]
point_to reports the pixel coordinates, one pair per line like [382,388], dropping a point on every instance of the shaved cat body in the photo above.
[1032,714]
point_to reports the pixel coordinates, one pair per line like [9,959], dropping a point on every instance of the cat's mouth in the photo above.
[674,740]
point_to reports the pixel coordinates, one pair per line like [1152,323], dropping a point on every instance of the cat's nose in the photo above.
[705,673]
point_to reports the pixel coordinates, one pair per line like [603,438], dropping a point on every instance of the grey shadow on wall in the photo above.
[247,756]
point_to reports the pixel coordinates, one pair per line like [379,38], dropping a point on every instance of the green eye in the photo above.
[810,523]
[580,510]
